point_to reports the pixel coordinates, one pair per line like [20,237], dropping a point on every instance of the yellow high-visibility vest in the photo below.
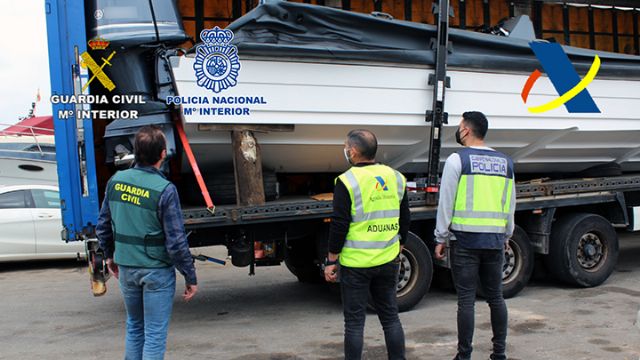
[376,192]
[483,199]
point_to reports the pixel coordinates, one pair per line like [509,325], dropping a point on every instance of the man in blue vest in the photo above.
[476,208]
[141,232]
[369,225]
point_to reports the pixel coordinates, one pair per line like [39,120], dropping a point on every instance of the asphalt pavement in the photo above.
[49,313]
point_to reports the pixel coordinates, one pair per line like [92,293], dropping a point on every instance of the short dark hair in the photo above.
[364,141]
[149,144]
[477,122]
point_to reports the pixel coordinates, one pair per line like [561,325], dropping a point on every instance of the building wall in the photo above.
[597,28]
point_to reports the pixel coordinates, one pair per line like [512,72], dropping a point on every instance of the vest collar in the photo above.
[150,169]
[362,164]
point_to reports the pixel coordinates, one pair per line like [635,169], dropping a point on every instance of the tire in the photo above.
[519,262]
[416,273]
[301,261]
[583,249]
[222,188]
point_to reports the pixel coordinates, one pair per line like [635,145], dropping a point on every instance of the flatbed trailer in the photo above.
[541,205]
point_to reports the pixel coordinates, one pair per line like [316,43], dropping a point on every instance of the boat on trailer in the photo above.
[320,72]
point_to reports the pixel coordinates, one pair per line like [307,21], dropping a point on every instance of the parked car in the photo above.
[30,224]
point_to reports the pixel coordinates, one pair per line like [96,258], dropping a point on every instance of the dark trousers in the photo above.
[469,265]
[356,285]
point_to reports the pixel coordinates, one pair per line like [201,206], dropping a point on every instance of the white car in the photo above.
[30,224]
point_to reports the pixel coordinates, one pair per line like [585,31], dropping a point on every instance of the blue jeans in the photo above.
[469,265]
[148,298]
[380,282]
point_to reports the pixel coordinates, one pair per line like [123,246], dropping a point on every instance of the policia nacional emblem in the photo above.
[217,63]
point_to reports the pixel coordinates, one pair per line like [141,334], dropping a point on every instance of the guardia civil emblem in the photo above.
[217,64]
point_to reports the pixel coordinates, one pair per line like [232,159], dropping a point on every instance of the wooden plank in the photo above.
[247,165]
[425,12]
[625,22]
[636,33]
[362,6]
[218,8]
[614,28]
[580,40]
[552,23]
[499,10]
[187,8]
[552,17]
[578,19]
[474,13]
[627,45]
[604,43]
[455,20]
[602,20]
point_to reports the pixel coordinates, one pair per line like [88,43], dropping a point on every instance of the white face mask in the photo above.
[346,156]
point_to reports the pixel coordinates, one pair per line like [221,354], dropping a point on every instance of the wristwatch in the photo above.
[328,262]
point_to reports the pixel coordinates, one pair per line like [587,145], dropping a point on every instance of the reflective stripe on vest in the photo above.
[375,210]
[482,203]
[364,244]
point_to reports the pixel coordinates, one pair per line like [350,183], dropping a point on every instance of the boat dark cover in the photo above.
[294,30]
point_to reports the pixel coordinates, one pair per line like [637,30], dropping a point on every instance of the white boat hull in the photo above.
[324,101]
[17,171]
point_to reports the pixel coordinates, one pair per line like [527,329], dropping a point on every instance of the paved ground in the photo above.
[48,313]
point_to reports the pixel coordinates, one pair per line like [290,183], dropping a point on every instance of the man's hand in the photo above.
[189,292]
[331,273]
[113,268]
[441,251]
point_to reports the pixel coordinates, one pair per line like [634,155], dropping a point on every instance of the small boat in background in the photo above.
[28,154]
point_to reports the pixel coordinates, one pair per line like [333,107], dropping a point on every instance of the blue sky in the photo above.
[24,60]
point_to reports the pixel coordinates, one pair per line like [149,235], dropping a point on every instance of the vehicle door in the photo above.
[17,232]
[48,224]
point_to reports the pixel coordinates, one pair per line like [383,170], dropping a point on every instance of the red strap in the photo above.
[194,166]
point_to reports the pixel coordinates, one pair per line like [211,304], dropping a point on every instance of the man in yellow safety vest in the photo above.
[476,208]
[369,225]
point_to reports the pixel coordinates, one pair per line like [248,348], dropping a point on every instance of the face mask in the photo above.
[346,156]
[458,138]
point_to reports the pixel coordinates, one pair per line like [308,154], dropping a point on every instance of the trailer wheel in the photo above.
[583,249]
[518,264]
[222,188]
[416,272]
[301,261]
